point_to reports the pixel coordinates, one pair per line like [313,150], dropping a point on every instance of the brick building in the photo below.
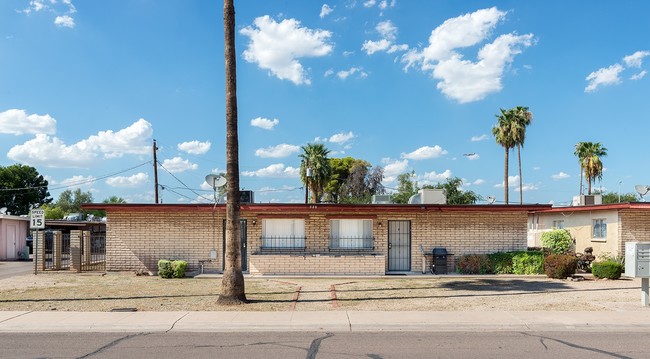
[604,227]
[303,239]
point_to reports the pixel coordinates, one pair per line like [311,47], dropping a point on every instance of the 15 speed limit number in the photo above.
[37,219]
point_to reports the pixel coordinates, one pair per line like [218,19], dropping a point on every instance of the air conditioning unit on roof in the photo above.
[382,199]
[587,200]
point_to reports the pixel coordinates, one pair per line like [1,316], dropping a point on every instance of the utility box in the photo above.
[637,259]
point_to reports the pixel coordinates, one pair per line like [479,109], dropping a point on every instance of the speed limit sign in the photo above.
[37,219]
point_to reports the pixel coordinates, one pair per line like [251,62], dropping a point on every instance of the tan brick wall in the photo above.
[136,240]
[320,264]
[635,226]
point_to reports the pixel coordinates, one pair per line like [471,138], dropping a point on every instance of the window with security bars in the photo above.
[283,233]
[351,234]
[558,224]
[599,229]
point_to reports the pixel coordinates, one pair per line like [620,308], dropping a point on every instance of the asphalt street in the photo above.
[325,345]
[10,269]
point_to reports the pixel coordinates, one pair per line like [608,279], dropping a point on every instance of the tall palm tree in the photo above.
[314,158]
[503,135]
[591,163]
[232,283]
[521,119]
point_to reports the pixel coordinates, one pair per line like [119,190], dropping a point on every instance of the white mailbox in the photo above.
[637,259]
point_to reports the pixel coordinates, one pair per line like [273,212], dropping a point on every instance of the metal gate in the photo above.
[399,246]
[56,259]
[93,258]
[243,237]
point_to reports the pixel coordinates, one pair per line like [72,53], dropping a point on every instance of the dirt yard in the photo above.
[126,291]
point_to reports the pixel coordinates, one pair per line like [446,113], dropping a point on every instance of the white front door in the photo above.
[12,238]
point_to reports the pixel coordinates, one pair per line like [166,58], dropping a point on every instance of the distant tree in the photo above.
[339,173]
[454,193]
[353,181]
[503,134]
[589,154]
[70,201]
[52,211]
[613,197]
[114,199]
[314,157]
[405,188]
[22,188]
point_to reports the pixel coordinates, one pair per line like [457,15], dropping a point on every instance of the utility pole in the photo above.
[155,169]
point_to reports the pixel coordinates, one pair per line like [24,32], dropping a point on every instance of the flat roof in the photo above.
[600,207]
[318,207]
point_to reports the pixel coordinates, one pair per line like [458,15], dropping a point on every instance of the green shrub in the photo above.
[559,241]
[474,264]
[531,262]
[560,266]
[179,268]
[608,257]
[165,269]
[607,269]
[501,262]
[171,269]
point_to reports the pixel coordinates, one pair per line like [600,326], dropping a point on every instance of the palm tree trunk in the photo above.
[232,283]
[521,181]
[580,179]
[505,175]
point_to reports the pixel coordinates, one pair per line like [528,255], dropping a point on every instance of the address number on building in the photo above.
[37,219]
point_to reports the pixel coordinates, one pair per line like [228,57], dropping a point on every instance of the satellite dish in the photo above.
[491,199]
[642,190]
[3,210]
[215,181]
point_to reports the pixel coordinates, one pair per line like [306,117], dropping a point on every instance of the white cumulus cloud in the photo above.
[512,182]
[639,76]
[325,10]
[277,47]
[473,157]
[344,74]
[425,152]
[264,123]
[482,137]
[64,21]
[178,164]
[195,147]
[605,76]
[393,168]
[52,152]
[342,137]
[464,80]
[18,122]
[433,176]
[279,151]
[636,59]
[388,32]
[278,170]
[133,181]
[478,182]
[560,176]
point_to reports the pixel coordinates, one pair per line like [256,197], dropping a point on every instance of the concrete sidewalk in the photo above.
[327,321]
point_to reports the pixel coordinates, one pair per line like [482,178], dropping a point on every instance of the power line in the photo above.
[75,184]
[183,183]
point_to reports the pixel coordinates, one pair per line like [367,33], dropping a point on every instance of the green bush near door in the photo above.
[171,268]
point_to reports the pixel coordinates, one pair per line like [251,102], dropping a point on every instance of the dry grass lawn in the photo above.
[126,291]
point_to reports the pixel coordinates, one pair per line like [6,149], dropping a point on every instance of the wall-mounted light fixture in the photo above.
[254,221]
[379,224]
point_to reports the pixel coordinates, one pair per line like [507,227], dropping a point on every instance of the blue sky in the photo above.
[85,87]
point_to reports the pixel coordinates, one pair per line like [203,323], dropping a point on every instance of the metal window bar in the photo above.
[353,242]
[96,259]
[283,242]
